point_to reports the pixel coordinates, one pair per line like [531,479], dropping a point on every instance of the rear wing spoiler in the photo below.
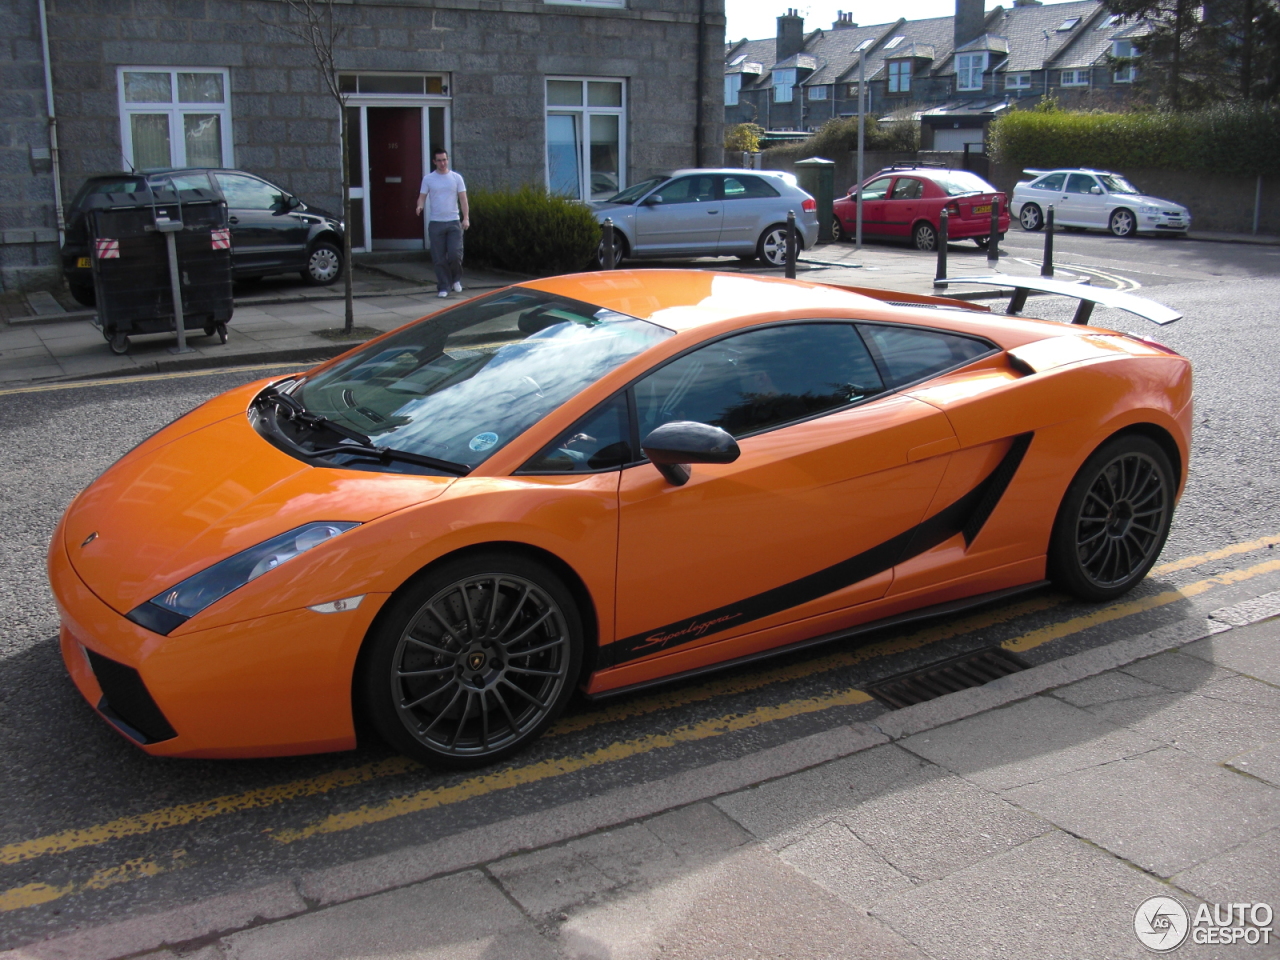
[1087,295]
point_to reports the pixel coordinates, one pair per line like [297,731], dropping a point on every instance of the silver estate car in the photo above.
[1094,198]
[708,213]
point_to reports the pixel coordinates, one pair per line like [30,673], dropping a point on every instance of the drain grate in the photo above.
[958,673]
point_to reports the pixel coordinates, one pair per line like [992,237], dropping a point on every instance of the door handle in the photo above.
[713,211]
[233,219]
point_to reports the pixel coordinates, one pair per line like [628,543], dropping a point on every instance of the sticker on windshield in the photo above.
[483,441]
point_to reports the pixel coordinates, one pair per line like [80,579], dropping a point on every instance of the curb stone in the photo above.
[201,922]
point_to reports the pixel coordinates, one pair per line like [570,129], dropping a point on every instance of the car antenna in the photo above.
[132,168]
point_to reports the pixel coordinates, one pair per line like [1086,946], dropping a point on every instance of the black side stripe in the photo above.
[967,516]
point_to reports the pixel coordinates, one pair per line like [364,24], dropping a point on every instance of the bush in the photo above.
[527,231]
[743,137]
[1233,139]
[840,136]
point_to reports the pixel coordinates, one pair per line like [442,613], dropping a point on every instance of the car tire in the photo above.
[84,294]
[619,249]
[837,231]
[924,236]
[772,245]
[1114,519]
[324,264]
[472,660]
[982,242]
[1031,217]
[1122,223]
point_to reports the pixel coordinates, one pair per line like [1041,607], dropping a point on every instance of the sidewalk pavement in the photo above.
[1026,819]
[293,324]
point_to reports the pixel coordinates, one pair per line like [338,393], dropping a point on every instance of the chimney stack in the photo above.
[843,20]
[791,35]
[970,19]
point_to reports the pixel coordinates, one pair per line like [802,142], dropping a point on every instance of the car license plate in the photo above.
[983,209]
[83,263]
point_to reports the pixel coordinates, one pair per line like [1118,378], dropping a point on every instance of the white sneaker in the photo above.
[457,286]
[442,294]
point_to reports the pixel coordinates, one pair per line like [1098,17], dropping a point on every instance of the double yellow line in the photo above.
[487,783]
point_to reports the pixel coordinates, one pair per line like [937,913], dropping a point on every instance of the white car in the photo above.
[1094,198]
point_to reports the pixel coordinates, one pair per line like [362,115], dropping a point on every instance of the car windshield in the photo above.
[634,193]
[1117,184]
[958,182]
[461,385]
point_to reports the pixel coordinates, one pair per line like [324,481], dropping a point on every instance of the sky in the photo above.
[758,20]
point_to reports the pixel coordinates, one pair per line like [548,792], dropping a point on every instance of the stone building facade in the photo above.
[580,96]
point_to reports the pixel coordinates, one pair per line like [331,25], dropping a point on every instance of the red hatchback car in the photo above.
[907,204]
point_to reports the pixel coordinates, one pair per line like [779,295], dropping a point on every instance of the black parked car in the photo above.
[272,231]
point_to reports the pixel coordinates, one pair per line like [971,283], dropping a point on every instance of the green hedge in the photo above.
[840,136]
[527,231]
[1240,140]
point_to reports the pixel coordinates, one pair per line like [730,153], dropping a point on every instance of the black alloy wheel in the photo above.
[924,236]
[1030,217]
[473,661]
[324,264]
[1114,519]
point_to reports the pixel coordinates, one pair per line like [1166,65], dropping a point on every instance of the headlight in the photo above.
[166,611]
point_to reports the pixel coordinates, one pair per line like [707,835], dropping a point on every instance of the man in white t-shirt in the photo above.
[447,219]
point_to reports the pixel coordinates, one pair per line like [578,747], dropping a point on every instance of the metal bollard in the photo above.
[993,244]
[940,280]
[609,261]
[1046,266]
[791,245]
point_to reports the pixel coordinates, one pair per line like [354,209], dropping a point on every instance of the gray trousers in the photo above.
[446,251]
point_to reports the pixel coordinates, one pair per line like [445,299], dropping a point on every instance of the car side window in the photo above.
[748,188]
[248,193]
[1052,182]
[876,189]
[909,354]
[907,188]
[687,190]
[599,441]
[1081,183]
[760,379]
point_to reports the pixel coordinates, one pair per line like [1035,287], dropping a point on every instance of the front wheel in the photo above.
[1114,519]
[473,661]
[1030,217]
[924,236]
[772,246]
[324,264]
[1122,223]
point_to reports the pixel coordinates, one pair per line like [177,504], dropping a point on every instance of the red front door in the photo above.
[395,172]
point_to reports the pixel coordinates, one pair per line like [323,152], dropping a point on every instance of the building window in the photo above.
[732,84]
[818,92]
[899,76]
[895,41]
[175,117]
[784,82]
[969,69]
[393,84]
[1126,70]
[586,137]
[1075,78]
[1068,24]
[588,3]
[1017,81]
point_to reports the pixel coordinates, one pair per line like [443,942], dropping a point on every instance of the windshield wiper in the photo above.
[359,445]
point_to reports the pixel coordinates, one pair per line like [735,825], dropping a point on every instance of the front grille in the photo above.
[126,701]
[949,676]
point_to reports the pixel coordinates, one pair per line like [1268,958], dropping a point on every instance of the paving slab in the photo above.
[1263,763]
[1106,688]
[1164,810]
[1249,873]
[1175,670]
[835,858]
[1247,650]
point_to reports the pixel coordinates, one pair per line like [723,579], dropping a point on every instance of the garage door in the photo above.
[956,139]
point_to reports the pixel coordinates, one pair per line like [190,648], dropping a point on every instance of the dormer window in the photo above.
[784,82]
[1126,70]
[969,70]
[899,76]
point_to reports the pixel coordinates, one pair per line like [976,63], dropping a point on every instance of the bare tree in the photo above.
[311,22]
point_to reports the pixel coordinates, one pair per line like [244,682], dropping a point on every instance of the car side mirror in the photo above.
[673,446]
[1095,190]
[652,200]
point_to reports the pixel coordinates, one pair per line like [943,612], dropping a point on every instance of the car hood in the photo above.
[319,212]
[606,208]
[170,509]
[1143,198]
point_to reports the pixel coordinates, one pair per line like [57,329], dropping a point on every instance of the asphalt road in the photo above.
[94,830]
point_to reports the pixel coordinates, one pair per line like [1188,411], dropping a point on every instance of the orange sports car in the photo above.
[601,482]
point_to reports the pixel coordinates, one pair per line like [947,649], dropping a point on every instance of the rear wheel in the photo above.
[772,246]
[1114,519]
[1031,217]
[473,661]
[982,242]
[924,236]
[83,293]
[837,231]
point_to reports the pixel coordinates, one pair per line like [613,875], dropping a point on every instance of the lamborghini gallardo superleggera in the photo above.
[598,483]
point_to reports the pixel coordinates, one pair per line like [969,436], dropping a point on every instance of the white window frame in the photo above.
[1017,81]
[583,115]
[818,91]
[970,69]
[1079,78]
[784,80]
[175,111]
[732,85]
[895,78]
[1128,72]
